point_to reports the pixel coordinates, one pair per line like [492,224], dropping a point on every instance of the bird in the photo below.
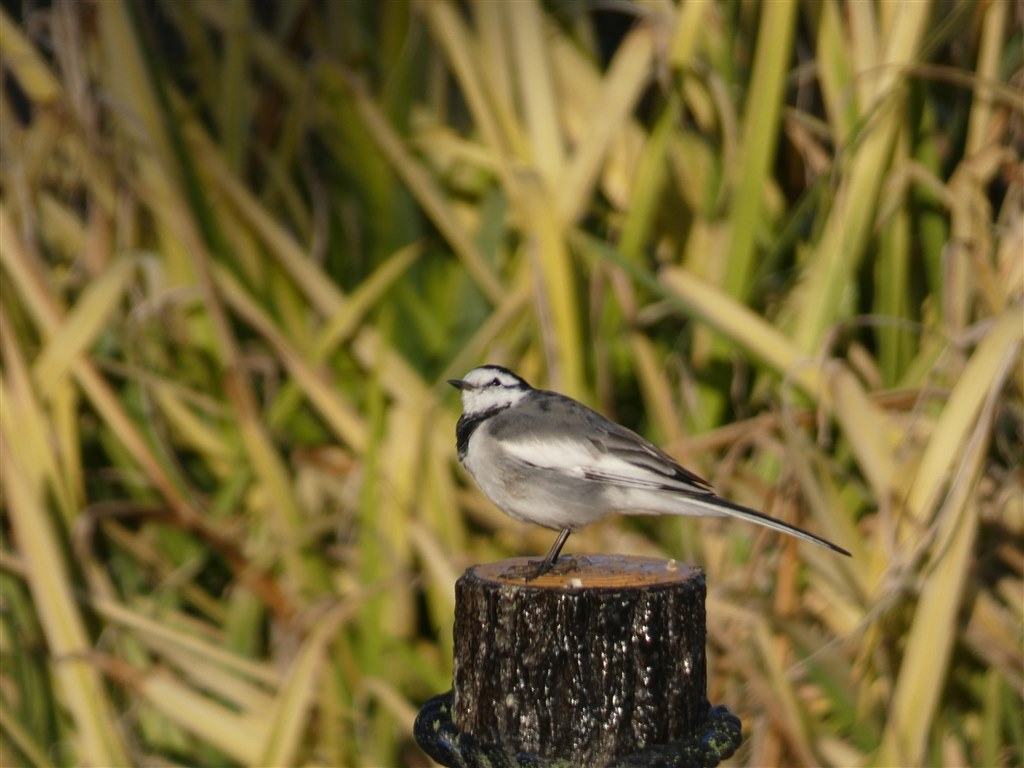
[545,458]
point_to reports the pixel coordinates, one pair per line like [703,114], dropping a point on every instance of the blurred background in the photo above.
[244,244]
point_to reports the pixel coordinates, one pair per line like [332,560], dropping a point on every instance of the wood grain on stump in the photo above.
[598,658]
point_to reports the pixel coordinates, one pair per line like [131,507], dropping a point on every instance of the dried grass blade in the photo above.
[96,736]
[426,191]
[496,124]
[20,741]
[934,627]
[536,88]
[757,145]
[45,313]
[238,736]
[90,316]
[348,424]
[289,719]
[865,426]
[744,328]
[548,257]
[28,423]
[28,66]
[824,297]
[625,80]
[166,633]
[958,420]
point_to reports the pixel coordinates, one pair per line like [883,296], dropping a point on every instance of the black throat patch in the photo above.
[467,425]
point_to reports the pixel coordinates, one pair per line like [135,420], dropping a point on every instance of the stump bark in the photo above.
[599,658]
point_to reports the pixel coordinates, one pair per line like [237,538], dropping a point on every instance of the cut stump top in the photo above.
[571,572]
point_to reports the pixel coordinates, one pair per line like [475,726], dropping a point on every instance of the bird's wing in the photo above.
[604,452]
[643,456]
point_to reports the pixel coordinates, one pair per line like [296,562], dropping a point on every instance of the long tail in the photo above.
[720,506]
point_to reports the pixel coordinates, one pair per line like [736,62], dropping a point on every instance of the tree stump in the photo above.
[593,663]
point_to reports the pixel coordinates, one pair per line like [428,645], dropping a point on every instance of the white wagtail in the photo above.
[547,459]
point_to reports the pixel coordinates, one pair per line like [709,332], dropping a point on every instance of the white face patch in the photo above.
[489,388]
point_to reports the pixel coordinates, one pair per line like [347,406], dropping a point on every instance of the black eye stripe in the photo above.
[495,383]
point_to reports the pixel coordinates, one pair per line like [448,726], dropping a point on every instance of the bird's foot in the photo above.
[540,568]
[531,570]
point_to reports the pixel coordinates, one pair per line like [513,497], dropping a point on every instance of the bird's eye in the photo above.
[495,382]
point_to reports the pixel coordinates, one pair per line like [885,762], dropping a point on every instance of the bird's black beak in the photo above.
[458,383]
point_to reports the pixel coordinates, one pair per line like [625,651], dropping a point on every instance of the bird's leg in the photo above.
[549,560]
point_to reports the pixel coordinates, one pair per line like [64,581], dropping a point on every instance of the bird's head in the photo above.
[490,388]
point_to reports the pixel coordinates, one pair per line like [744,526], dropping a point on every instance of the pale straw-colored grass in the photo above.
[241,256]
